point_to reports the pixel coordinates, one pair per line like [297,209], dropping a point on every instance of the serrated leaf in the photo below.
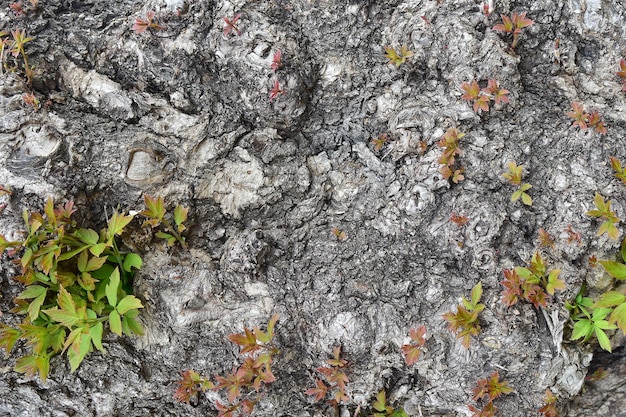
[35,306]
[80,348]
[96,336]
[582,329]
[115,323]
[154,207]
[127,303]
[117,224]
[132,260]
[524,273]
[605,343]
[130,325]
[618,316]
[112,287]
[72,253]
[64,317]
[171,240]
[554,283]
[381,402]
[32,291]
[610,299]
[180,215]
[8,337]
[615,269]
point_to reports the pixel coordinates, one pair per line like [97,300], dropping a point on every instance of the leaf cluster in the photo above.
[586,120]
[514,176]
[607,313]
[459,219]
[258,350]
[513,25]
[380,141]
[413,350]
[230,25]
[533,284]
[77,280]
[450,145]
[157,216]
[549,407]
[335,380]
[465,321]
[620,172]
[603,211]
[382,409]
[490,388]
[14,47]
[141,25]
[480,98]
[397,58]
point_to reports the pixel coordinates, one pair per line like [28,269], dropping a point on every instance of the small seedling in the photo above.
[592,323]
[459,220]
[258,350]
[533,284]
[603,211]
[545,239]
[597,375]
[276,91]
[491,388]
[585,120]
[465,321]
[339,234]
[450,145]
[620,172]
[383,410]
[549,408]
[572,235]
[276,60]
[230,25]
[622,72]
[336,380]
[480,98]
[19,8]
[141,25]
[514,176]
[513,25]
[413,350]
[16,49]
[397,58]
[31,100]
[380,141]
[156,214]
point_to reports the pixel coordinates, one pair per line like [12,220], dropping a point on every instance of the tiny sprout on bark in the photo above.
[141,25]
[513,25]
[397,58]
[230,25]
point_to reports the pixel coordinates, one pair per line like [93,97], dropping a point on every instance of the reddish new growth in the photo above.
[572,235]
[459,220]
[465,321]
[491,388]
[622,73]
[545,239]
[413,350]
[533,284]
[513,25]
[584,120]
[549,409]
[339,234]
[450,145]
[230,25]
[276,91]
[31,100]
[258,350]
[18,8]
[141,25]
[276,60]
[380,141]
[335,379]
[480,98]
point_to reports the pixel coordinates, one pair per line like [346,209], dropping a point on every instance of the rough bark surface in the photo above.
[185,113]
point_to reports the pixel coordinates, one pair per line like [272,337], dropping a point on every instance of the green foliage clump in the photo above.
[77,280]
[465,321]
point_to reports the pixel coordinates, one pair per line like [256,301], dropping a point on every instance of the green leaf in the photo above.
[26,257]
[95,332]
[381,402]
[32,291]
[610,299]
[117,224]
[130,325]
[526,199]
[477,292]
[71,254]
[112,287]
[115,323]
[87,236]
[523,272]
[601,313]
[8,337]
[79,349]
[154,207]
[180,215]
[605,343]
[171,240]
[132,260]
[64,317]
[35,306]
[623,250]
[81,262]
[127,303]
[582,329]
[615,269]
[96,250]
[554,283]
[618,316]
